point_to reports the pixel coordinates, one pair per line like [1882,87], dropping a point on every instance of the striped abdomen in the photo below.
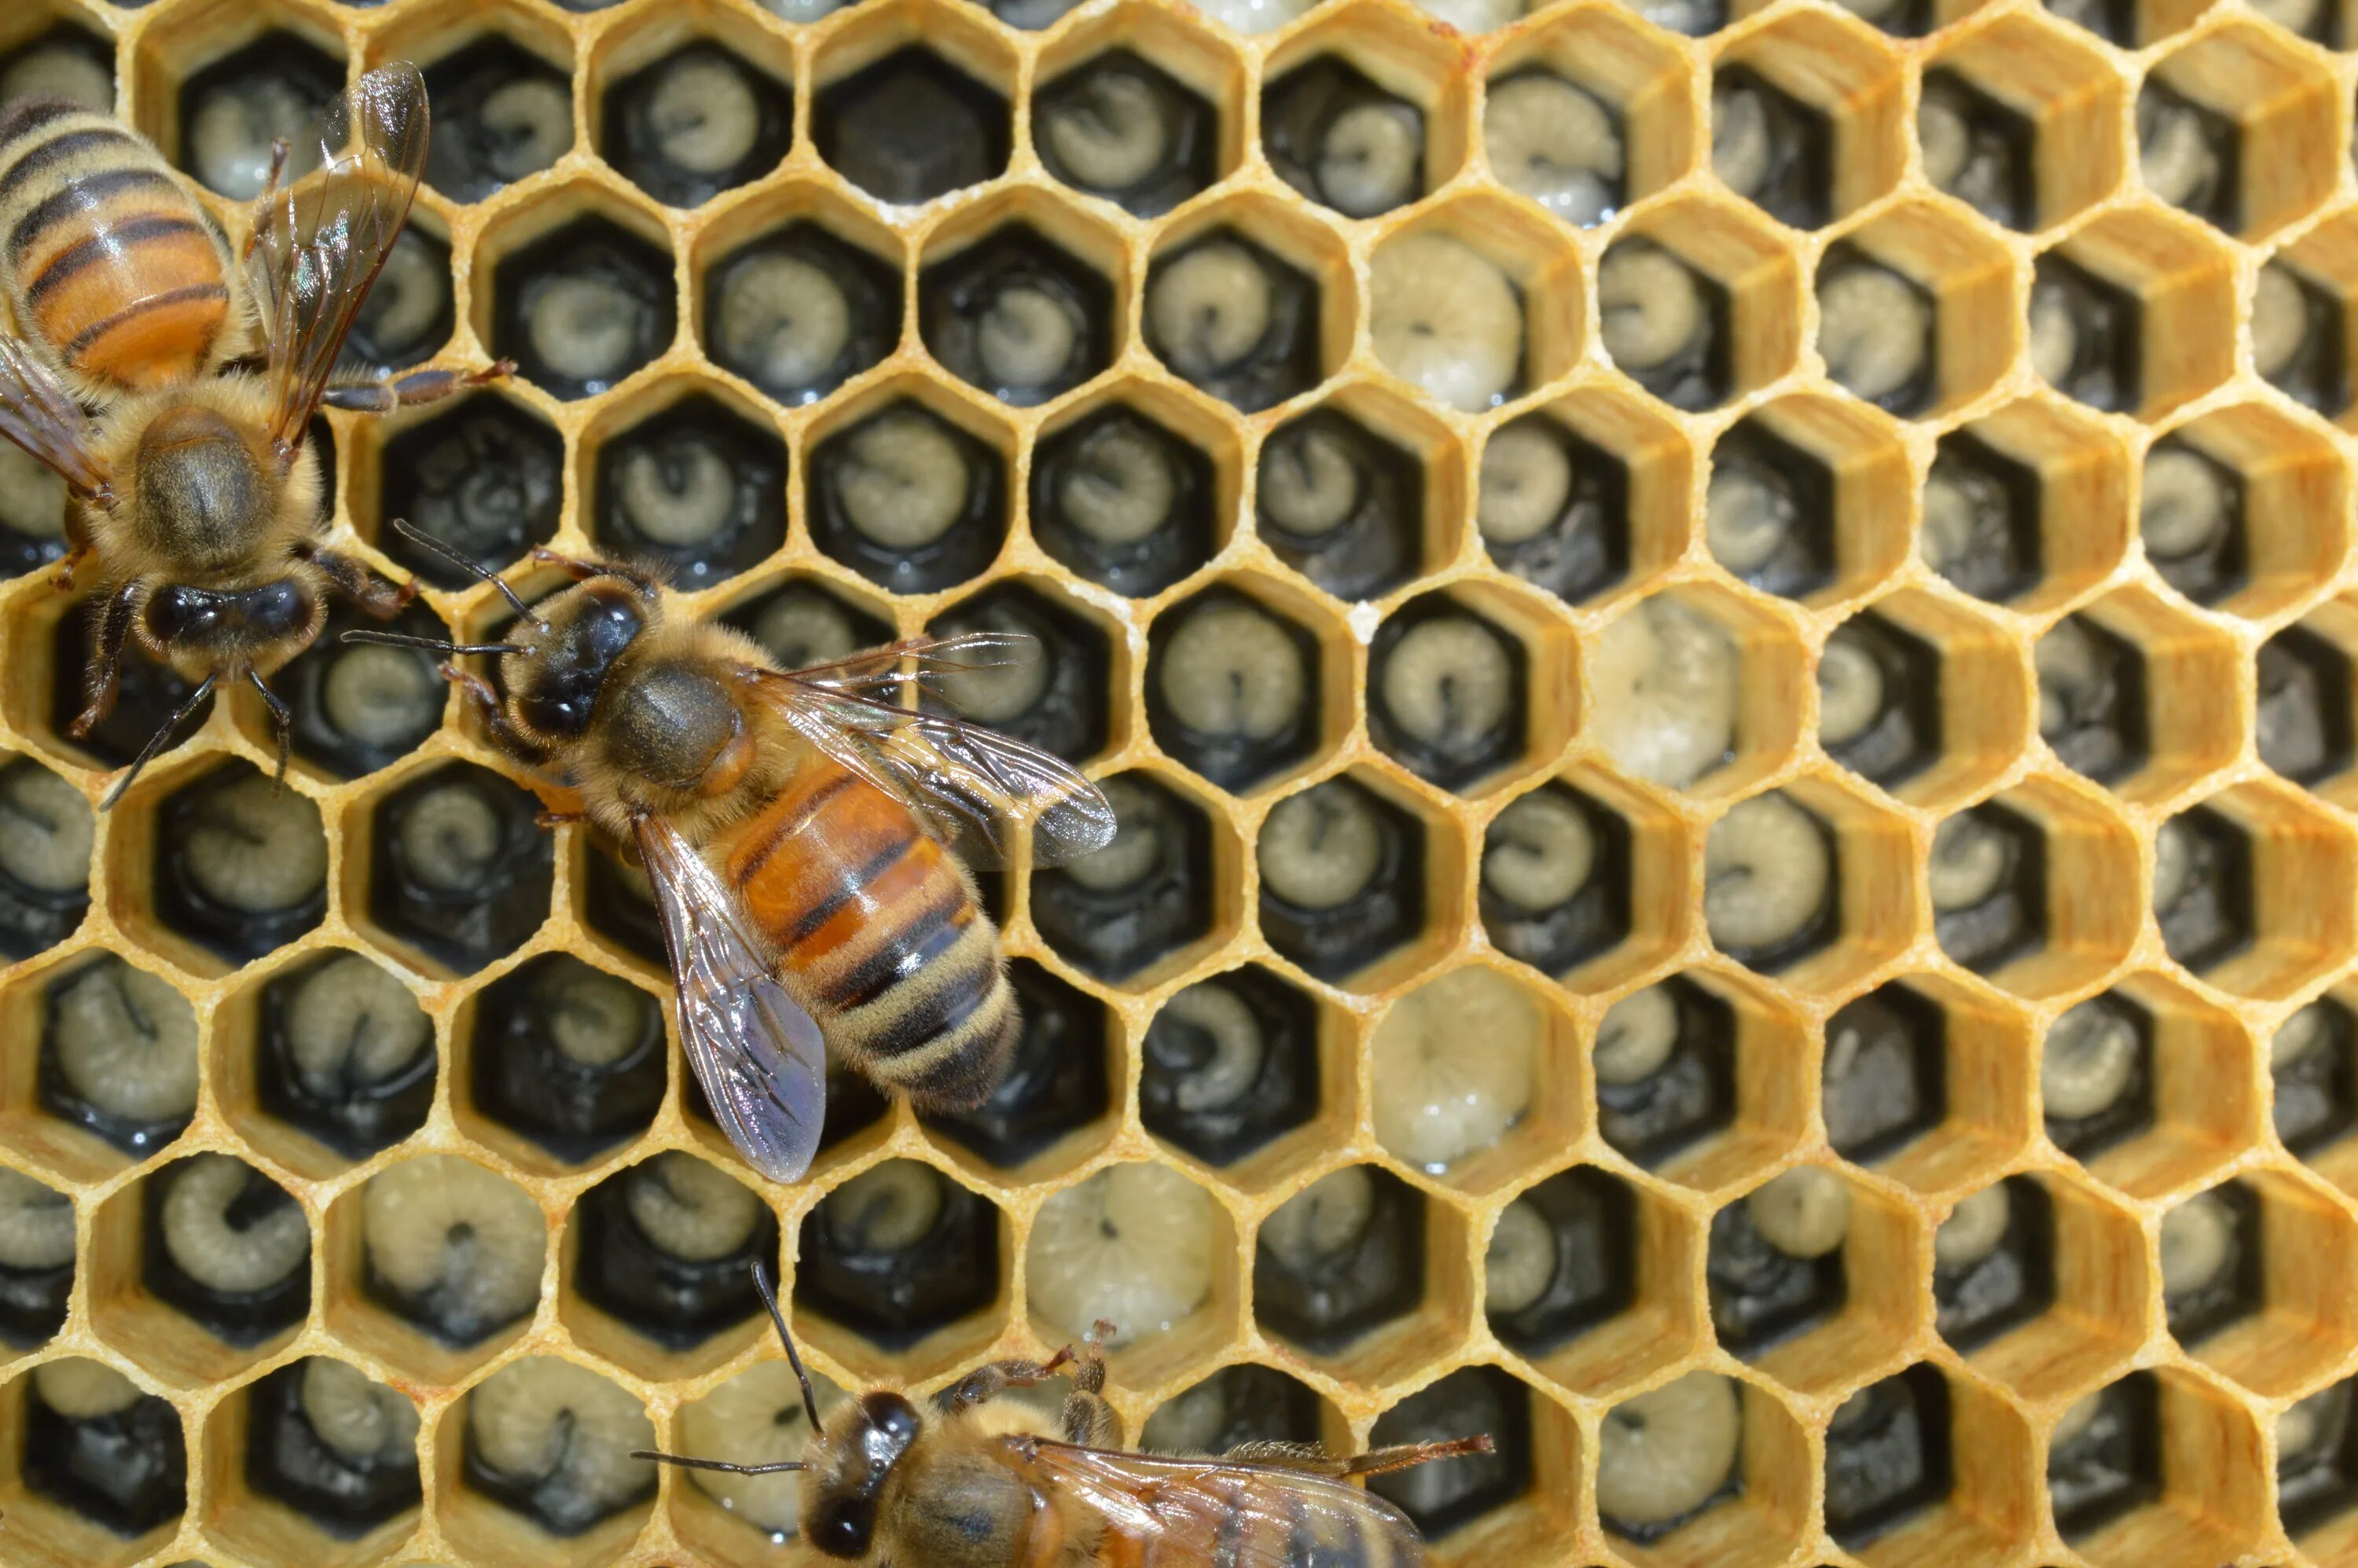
[1232,1523]
[109,259]
[879,936]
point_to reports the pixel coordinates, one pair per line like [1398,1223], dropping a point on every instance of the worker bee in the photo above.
[794,827]
[971,1484]
[193,485]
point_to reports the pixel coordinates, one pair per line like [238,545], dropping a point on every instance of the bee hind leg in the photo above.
[985,1384]
[1402,1456]
[104,673]
[1088,1418]
[371,594]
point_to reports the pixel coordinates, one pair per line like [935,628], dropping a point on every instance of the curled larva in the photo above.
[1320,850]
[903,481]
[1521,1261]
[563,1435]
[1974,1228]
[998,694]
[1322,1220]
[2175,151]
[1307,479]
[32,495]
[349,1025]
[256,848]
[702,113]
[1106,134]
[2185,506]
[2089,1058]
[1131,1246]
[359,1419]
[1448,684]
[1027,335]
[1803,1213]
[126,1041]
[887,1208]
[47,830]
[690,1209]
[1225,1054]
[1946,137]
[1208,309]
[79,1389]
[221,1237]
[1664,1453]
[1455,1067]
[586,328]
[2197,1244]
[231,133]
[60,71]
[2071,662]
[1556,143]
[2280,320]
[382,696]
[754,1418]
[1874,329]
[1970,860]
[1850,688]
[1636,1036]
[449,838]
[407,298]
[783,321]
[1743,147]
[1526,482]
[2054,331]
[593,1018]
[1232,670]
[1748,515]
[1139,845]
[36,1224]
[1371,158]
[1666,682]
[1445,318]
[678,490]
[460,1248]
[525,125]
[804,627]
[1539,852]
[1768,873]
[1119,484]
[2176,852]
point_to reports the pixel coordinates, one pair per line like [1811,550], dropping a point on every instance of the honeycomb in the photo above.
[1933,1071]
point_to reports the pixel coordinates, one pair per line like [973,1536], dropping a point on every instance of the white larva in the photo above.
[2302,1035]
[1455,1065]
[1307,481]
[47,830]
[126,1043]
[381,697]
[527,126]
[1320,850]
[449,838]
[2280,320]
[445,1230]
[593,1018]
[350,1024]
[783,321]
[1636,1036]
[1540,852]
[1526,482]
[1371,158]
[1850,688]
[1661,1455]
[2176,850]
[1239,1046]
[1803,1213]
[1256,15]
[2054,331]
[55,71]
[1665,684]
[1108,136]
[1968,863]
[755,1418]
[1556,143]
[1649,304]
[1472,18]
[359,1419]
[2184,508]
[1874,329]
[1131,1246]
[2175,152]
[2197,1244]
[886,1208]
[1323,1220]
[1747,518]
[548,1421]
[256,848]
[2085,1066]
[1521,1261]
[585,328]
[32,495]
[1766,873]
[214,1250]
[1027,335]
[1137,848]
[802,629]
[1946,138]
[679,493]
[1119,487]
[903,481]
[1445,318]
[79,1389]
[2070,664]
[1974,1228]
[1231,669]
[1742,151]
[1449,682]
[231,135]
[690,1209]
[36,1224]
[1210,308]
[1001,693]
[704,114]
[1952,519]
[406,297]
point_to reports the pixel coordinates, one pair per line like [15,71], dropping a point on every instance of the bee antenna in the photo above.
[770,1299]
[420,538]
[155,742]
[431,644]
[282,722]
[685,1463]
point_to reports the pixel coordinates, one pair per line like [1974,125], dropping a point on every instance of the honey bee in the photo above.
[192,483]
[793,825]
[971,1484]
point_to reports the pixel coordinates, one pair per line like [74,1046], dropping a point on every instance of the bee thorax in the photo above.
[679,726]
[203,498]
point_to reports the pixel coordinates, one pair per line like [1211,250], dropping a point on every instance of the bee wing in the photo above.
[1187,1512]
[970,784]
[915,666]
[40,415]
[759,1056]
[320,240]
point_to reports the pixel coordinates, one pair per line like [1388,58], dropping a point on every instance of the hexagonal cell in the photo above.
[1698,306]
[409,313]
[486,477]
[1693,1471]
[897,1254]
[2205,482]
[2026,503]
[568,1058]
[2010,1254]
[1806,120]
[1879,710]
[1885,1073]
[458,871]
[1571,498]
[2156,1468]
[1796,495]
[1988,877]
[36,1260]
[1471,1116]
[695,487]
[2211,1261]
[2130,315]
[758,1416]
[1340,496]
[1888,1456]
[2311,1063]
[59,61]
[1250,324]
[1994,1262]
[1125,501]
[2231,128]
[47,834]
[1231,1065]
[1484,1496]
[804,621]
[433,1264]
[205,1264]
[1912,312]
[1343,874]
[2092,698]
[232,107]
[2243,889]
[907,498]
[503,111]
[1992,101]
[2147,1086]
[911,126]
[1235,688]
[1141,1248]
[1017,314]
[704,116]
[1474,304]
[1558,878]
[2096,1075]
[1586,117]
[1341,1261]
[800,308]
[1057,1082]
[118,1053]
[1120,126]
[237,867]
[319,1438]
[1447,692]
[2316,1487]
[1771,882]
[545,1442]
[1057,698]
[2202,888]
[663,1252]
[1343,139]
[1564,1259]
[147,694]
[2305,722]
[1776,1267]
[359,707]
[99,1471]
[1235,1406]
[343,1053]
[1119,913]
[582,306]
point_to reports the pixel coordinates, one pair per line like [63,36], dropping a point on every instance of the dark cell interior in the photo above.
[2317,1477]
[1769,486]
[895,1296]
[1235,1406]
[192,822]
[1337,941]
[1592,1225]
[1057,1083]
[1559,936]
[574,1103]
[1450,1493]
[2200,1310]
[1884,1083]
[501,114]
[2111,1463]
[286,1459]
[34,918]
[1988,148]
[410,312]
[275,86]
[1087,120]
[2132,1111]
[2087,334]
[969,542]
[2316,1101]
[610,296]
[2205,911]
[1582,546]
[975,311]
[2316,372]
[2001,856]
[625,1272]
[1903,736]
[1686,1099]
[1317,128]
[486,478]
[1977,1300]
[1230,1064]
[911,128]
[2091,699]
[55,1088]
[1145,895]
[1123,502]
[1250,747]
[147,694]
[126,1472]
[1480,727]
[698,121]
[1282,360]
[804,622]
[1058,698]
[459,868]
[1356,1283]
[363,1115]
[1771,147]
[1760,1297]
[2304,725]
[1981,518]
[751,331]
[1888,1455]
[2169,122]
[1341,504]
[2206,566]
[696,489]
[235,1317]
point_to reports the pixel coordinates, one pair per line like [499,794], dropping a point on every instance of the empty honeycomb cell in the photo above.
[1886,1074]
[2206,483]
[1245,302]
[685,120]
[147,694]
[1888,1456]
[356,706]
[1059,1083]
[1055,698]
[1794,497]
[663,1253]
[59,62]
[2314,1485]
[201,1268]
[914,124]
[118,1053]
[906,496]
[1014,310]
[582,305]
[1994,1262]
[338,1048]
[1341,1261]
[548,1443]
[37,1260]
[486,477]
[2155,1467]
[1120,126]
[1480,1493]
[695,486]
[1344,494]
[433,1263]
[1573,498]
[804,621]
[2025,505]
[2303,718]
[409,313]
[1232,1064]
[1126,912]
[1558,878]
[102,1468]
[1806,120]
[1698,304]
[2127,315]
[320,1438]
[503,106]
[2234,128]
[1343,874]
[2022,123]
[1684,1081]
[1142,1248]
[1237,685]
[897,1254]
[800,306]
[1235,1405]
[32,513]
[47,834]
[1471,1114]
[237,866]
[570,1058]
[1128,501]
[1585,115]
[2311,1066]
[457,869]
[233,107]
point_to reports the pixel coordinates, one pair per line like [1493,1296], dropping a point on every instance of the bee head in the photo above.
[848,1463]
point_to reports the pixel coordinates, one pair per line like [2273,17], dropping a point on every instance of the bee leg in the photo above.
[579,570]
[282,722]
[369,593]
[1088,1418]
[105,667]
[367,393]
[67,564]
[486,704]
[1401,1455]
[985,1384]
[281,149]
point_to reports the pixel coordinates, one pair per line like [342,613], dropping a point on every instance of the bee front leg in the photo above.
[1090,1420]
[985,1384]
[366,394]
[103,673]
[371,594]
[486,704]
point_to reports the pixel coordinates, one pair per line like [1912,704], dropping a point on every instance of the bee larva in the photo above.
[695,123]
[1339,138]
[1771,881]
[1556,881]
[348,1054]
[1338,1258]
[501,114]
[1342,876]
[897,1252]
[2210,1252]
[453,1248]
[2309,1060]
[1448,320]
[47,833]
[36,1258]
[663,1249]
[584,307]
[1233,319]
[1666,1454]
[1981,518]
[1234,1406]
[554,1442]
[801,625]
[757,1416]
[1339,504]
[242,867]
[1146,893]
[908,500]
[228,1246]
[2092,698]
[1230,690]
[119,1055]
[338,1448]
[1447,693]
[1775,1265]
[696,490]
[485,479]
[1016,315]
[1770,149]
[569,1056]
[1876,332]
[65,63]
[1663,323]
[1440,1102]
[1122,128]
[1554,141]
[2094,1084]
[409,314]
[1134,1244]
[1056,700]
[1122,501]
[1229,1065]
[799,311]
[95,1444]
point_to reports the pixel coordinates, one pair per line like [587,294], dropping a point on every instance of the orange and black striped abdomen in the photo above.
[879,936]
[1231,1522]
[109,259]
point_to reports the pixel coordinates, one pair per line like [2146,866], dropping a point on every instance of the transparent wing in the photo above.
[1186,1512]
[40,415]
[321,238]
[972,785]
[759,1056]
[915,666]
